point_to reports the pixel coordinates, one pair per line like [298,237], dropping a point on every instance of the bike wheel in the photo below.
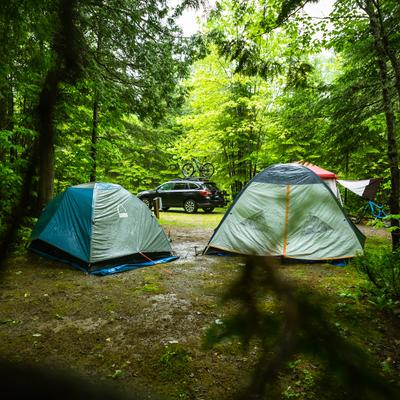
[207,170]
[187,170]
[361,215]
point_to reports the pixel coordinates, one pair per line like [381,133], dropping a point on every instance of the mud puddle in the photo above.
[188,244]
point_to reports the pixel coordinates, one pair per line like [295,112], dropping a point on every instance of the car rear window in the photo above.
[179,186]
[193,186]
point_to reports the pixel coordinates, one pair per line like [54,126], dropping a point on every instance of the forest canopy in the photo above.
[262,82]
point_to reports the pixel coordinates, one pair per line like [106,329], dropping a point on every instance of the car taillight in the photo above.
[205,193]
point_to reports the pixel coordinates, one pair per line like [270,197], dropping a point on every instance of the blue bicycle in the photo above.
[376,211]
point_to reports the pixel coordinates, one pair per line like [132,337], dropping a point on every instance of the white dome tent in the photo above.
[287,211]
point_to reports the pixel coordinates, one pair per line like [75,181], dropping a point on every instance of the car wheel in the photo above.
[147,201]
[208,209]
[190,206]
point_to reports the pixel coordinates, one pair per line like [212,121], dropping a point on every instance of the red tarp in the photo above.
[322,173]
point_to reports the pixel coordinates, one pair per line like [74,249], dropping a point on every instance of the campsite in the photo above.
[200,199]
[144,329]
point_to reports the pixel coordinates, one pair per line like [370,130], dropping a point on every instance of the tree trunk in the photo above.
[95,111]
[48,99]
[93,148]
[15,138]
[386,44]
[392,150]
[6,112]
[69,54]
[346,171]
[6,105]
[66,67]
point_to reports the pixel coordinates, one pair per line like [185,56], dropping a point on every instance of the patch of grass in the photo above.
[174,365]
[174,362]
[375,242]
[197,220]
[150,288]
[114,327]
[304,379]
[117,374]
[153,282]
[10,321]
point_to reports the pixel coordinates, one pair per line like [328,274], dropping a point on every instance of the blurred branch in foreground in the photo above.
[29,381]
[301,328]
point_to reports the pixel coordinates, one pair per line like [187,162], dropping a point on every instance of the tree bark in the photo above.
[6,105]
[6,112]
[47,102]
[93,147]
[386,45]
[346,171]
[65,68]
[392,150]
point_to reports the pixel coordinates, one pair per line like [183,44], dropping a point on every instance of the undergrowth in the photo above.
[381,267]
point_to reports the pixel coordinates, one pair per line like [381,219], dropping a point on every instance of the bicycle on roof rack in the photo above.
[371,210]
[205,170]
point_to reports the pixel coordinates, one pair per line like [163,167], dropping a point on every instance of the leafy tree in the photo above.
[225,121]
[371,59]
[67,52]
[134,54]
[137,56]
[367,21]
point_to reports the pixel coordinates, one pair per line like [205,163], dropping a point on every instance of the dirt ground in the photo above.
[144,329]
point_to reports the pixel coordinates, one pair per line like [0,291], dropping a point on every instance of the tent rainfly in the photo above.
[286,210]
[330,178]
[100,228]
[365,188]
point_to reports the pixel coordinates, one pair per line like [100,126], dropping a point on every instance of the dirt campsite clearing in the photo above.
[144,328]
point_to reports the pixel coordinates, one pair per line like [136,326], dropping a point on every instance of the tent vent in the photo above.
[122,213]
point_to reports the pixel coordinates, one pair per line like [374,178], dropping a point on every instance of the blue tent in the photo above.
[100,228]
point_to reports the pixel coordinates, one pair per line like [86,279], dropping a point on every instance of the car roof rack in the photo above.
[191,178]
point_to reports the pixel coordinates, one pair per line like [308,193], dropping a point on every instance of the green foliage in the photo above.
[132,153]
[307,379]
[134,59]
[225,122]
[174,367]
[12,166]
[381,267]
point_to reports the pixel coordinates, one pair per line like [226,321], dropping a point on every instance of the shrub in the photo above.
[382,269]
